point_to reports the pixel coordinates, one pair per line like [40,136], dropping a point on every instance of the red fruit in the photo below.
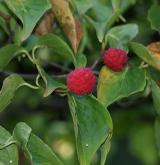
[81,81]
[115,59]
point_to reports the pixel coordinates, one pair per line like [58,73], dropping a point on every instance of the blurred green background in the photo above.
[133,140]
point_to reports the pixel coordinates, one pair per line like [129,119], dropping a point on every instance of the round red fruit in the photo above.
[81,81]
[115,59]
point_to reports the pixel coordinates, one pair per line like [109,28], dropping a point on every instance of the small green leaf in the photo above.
[119,36]
[143,53]
[9,154]
[113,86]
[7,53]
[29,12]
[153,16]
[59,46]
[156,96]
[89,116]
[21,133]
[50,84]
[81,60]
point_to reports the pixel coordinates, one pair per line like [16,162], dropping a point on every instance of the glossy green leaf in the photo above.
[92,123]
[59,46]
[50,84]
[119,36]
[9,154]
[7,53]
[113,86]
[25,10]
[143,53]
[156,96]
[153,16]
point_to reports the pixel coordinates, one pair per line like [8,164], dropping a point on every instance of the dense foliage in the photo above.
[41,42]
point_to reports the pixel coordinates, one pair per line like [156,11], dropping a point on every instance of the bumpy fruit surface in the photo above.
[115,59]
[81,81]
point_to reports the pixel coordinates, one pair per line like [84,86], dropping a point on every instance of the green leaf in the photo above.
[9,154]
[50,84]
[105,150]
[153,16]
[7,53]
[59,46]
[119,36]
[105,15]
[156,96]
[10,85]
[37,151]
[143,53]
[21,133]
[122,4]
[29,12]
[113,86]
[83,5]
[81,60]
[41,153]
[89,115]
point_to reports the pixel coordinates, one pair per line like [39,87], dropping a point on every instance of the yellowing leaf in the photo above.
[113,86]
[64,16]
[154,48]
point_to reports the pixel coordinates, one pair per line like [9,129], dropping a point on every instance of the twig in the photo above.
[96,63]
[26,76]
[63,68]
[33,76]
[29,76]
